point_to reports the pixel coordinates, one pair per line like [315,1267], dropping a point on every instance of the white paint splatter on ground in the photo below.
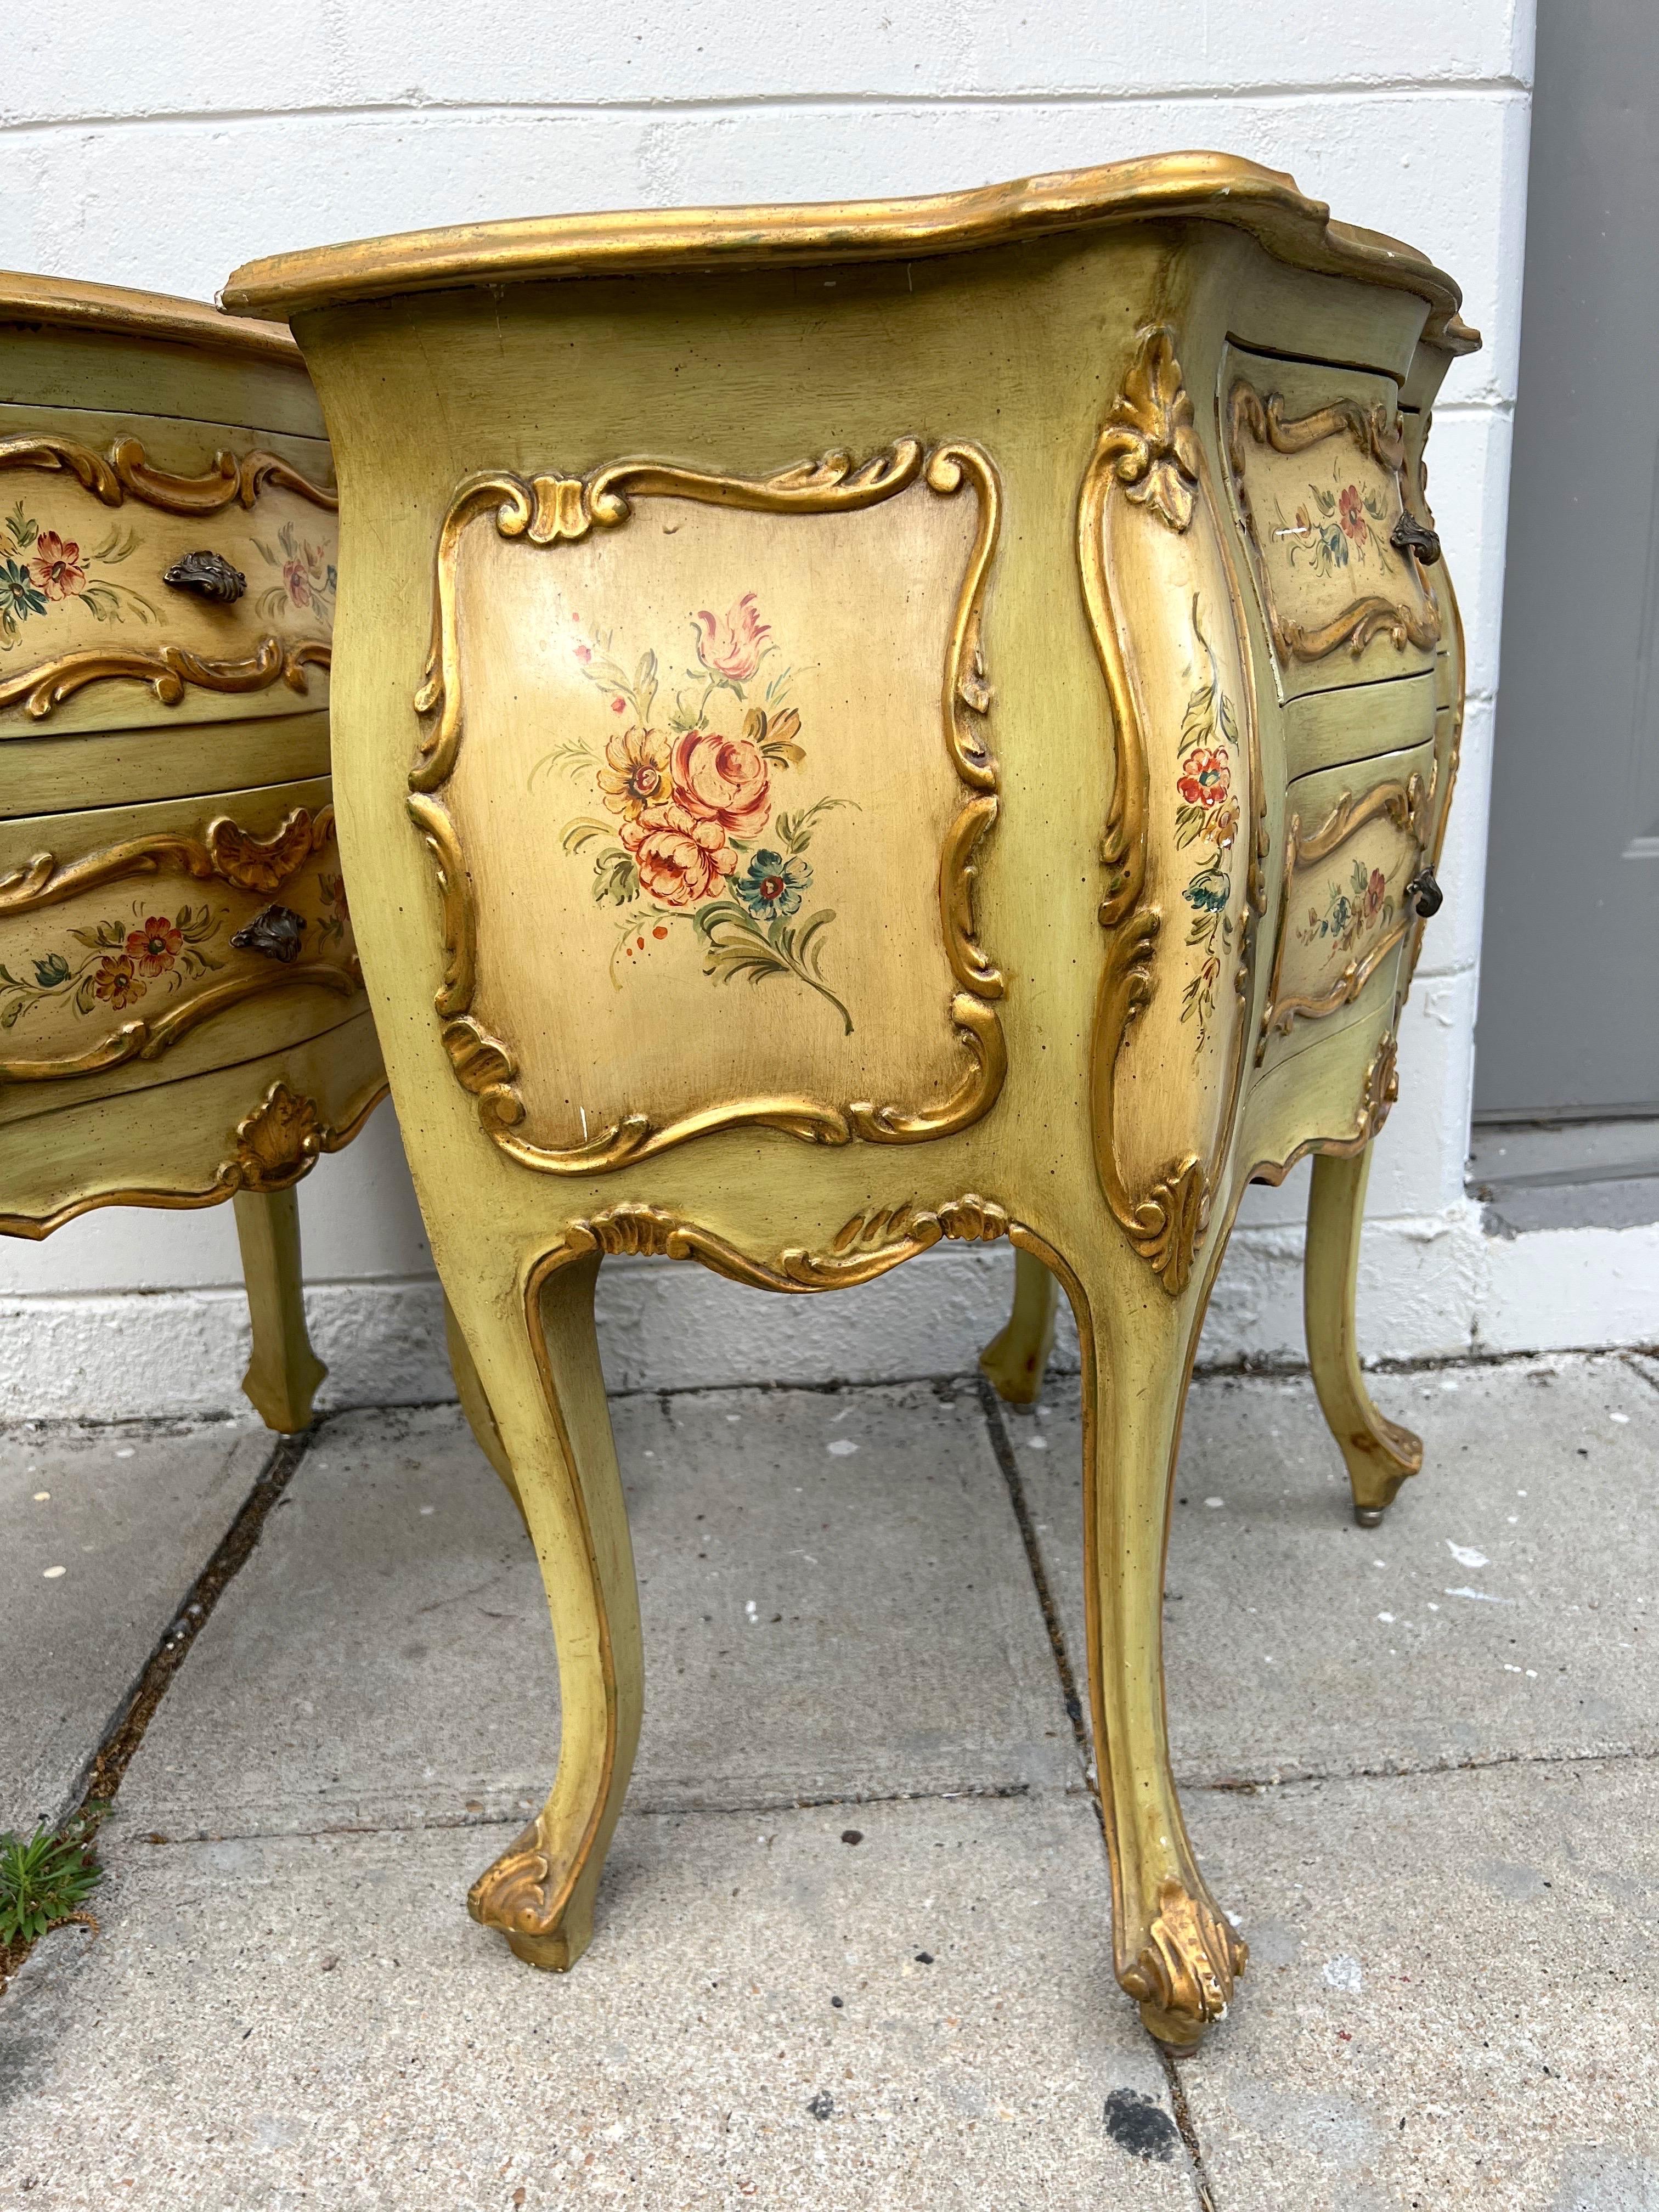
[1466,1555]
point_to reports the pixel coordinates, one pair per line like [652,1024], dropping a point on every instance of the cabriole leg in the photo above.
[284,1372]
[1017,1359]
[544,1389]
[474,1404]
[1176,1953]
[1379,1454]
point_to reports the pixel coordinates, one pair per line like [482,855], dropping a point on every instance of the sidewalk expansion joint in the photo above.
[126,1732]
[1002,1447]
[1188,2128]
[749,1809]
[1476,1762]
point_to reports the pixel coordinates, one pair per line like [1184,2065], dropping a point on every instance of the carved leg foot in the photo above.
[1176,1952]
[1379,1454]
[474,1404]
[284,1372]
[1017,1359]
[542,1390]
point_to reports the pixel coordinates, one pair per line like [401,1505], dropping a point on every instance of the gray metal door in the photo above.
[1569,1025]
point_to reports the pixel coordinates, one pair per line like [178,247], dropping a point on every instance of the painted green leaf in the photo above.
[616,879]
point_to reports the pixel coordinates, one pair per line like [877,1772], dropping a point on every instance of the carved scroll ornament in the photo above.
[124,471]
[545,511]
[1148,455]
[166,669]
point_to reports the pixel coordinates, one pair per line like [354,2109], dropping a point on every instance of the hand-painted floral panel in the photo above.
[706,768]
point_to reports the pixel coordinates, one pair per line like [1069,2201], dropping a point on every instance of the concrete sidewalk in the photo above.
[1419,1763]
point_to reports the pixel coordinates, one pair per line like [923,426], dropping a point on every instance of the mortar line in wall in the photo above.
[1507,89]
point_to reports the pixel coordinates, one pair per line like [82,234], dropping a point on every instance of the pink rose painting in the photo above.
[701,838]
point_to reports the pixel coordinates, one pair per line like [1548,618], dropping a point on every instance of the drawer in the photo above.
[1353,840]
[1332,729]
[60,774]
[96,510]
[118,961]
[193,1142]
[1320,474]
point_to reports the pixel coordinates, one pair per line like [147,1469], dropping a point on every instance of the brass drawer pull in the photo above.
[274,931]
[1425,893]
[210,575]
[1411,536]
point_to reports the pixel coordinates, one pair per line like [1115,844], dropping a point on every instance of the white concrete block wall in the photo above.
[159,145]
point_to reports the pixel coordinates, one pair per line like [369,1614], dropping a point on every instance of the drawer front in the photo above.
[1318,464]
[126,931]
[100,626]
[56,774]
[1334,729]
[1354,841]
[258,1125]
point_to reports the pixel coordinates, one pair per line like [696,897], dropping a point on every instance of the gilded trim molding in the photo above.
[1149,452]
[1262,422]
[546,511]
[166,669]
[124,471]
[1404,805]
[232,854]
[1379,1093]
[1165,188]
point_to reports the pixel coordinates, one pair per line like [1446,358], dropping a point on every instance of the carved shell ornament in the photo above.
[1149,440]
[278,1141]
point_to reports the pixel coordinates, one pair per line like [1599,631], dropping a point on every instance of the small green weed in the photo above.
[43,1879]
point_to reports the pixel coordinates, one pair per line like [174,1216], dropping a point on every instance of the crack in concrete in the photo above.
[746,1810]
[121,1740]
[1002,1446]
[1477,1763]
[1188,2127]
